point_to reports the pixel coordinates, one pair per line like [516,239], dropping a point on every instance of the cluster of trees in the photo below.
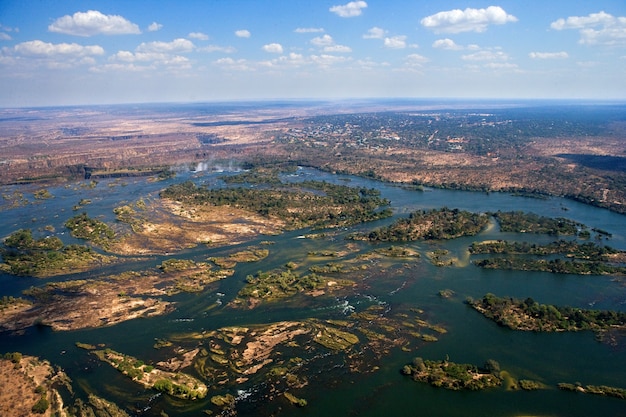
[556,266]
[530,315]
[443,223]
[454,376]
[523,222]
[278,284]
[307,204]
[84,227]
[25,256]
[588,250]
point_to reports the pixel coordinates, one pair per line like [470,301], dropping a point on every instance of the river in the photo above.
[333,390]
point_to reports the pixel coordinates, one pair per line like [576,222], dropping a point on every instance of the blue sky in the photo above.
[130,51]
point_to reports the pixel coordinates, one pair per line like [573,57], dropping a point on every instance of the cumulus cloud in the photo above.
[309,30]
[154,26]
[92,23]
[352,9]
[486,55]
[320,41]
[5,36]
[416,60]
[217,48]
[468,20]
[548,55]
[595,29]
[39,48]
[395,42]
[448,44]
[242,33]
[199,35]
[273,48]
[179,45]
[61,55]
[338,49]
[375,33]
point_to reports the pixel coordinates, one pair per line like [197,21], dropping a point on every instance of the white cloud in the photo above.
[5,36]
[273,48]
[448,44]
[242,33]
[234,65]
[39,48]
[548,55]
[325,40]
[37,53]
[154,26]
[92,23]
[325,60]
[500,65]
[486,55]
[595,29]
[217,48]
[309,30]
[416,60]
[395,42]
[351,9]
[468,20]
[179,45]
[199,35]
[338,49]
[375,33]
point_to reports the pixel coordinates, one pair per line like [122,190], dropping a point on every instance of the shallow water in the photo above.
[333,389]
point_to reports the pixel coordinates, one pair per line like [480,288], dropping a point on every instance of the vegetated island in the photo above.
[602,390]
[529,315]
[435,224]
[45,257]
[525,222]
[455,376]
[584,258]
[177,384]
[313,204]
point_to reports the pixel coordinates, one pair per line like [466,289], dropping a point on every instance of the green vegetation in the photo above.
[42,194]
[432,224]
[596,259]
[521,222]
[594,389]
[307,204]
[273,285]
[97,232]
[556,266]
[176,384]
[45,257]
[42,405]
[588,251]
[529,315]
[454,376]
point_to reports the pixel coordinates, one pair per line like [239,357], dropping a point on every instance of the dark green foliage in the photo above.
[588,250]
[529,315]
[306,204]
[454,376]
[441,223]
[41,406]
[557,266]
[26,256]
[84,227]
[522,222]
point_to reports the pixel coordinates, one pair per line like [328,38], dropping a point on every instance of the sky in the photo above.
[71,52]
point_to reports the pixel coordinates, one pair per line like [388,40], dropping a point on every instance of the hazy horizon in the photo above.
[119,52]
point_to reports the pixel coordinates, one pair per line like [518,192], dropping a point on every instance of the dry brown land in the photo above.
[19,381]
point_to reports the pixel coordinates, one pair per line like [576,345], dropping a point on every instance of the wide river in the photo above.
[333,390]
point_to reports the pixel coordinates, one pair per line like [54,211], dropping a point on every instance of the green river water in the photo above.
[333,390]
